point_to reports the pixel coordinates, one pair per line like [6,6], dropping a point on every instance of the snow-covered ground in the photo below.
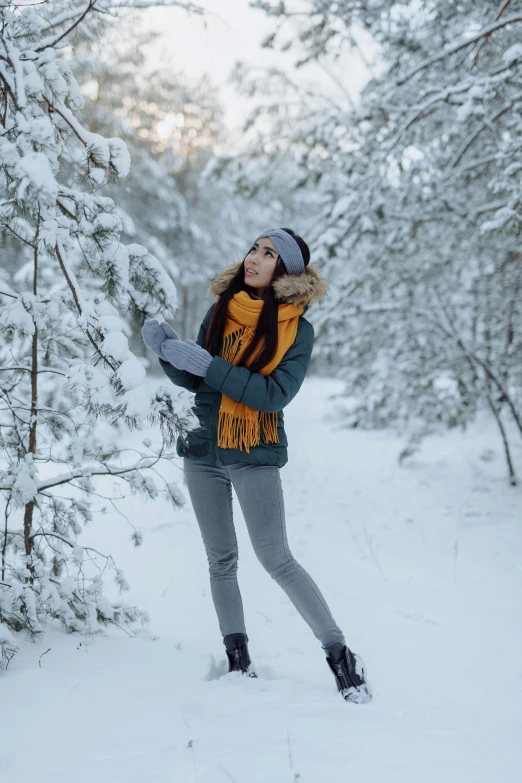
[421,565]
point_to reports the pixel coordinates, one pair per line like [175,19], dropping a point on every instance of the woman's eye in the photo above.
[271,255]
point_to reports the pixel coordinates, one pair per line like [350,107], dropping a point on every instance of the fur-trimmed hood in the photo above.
[304,289]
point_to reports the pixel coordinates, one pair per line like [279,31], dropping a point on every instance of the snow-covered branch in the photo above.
[142,4]
[88,471]
[454,48]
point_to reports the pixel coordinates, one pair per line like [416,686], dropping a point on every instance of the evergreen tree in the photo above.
[65,362]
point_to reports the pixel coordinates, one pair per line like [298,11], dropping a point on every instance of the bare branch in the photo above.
[86,473]
[28,369]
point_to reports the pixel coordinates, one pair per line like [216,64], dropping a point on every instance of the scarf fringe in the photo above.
[236,342]
[235,432]
[269,426]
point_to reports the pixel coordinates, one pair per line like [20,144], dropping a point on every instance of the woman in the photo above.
[248,362]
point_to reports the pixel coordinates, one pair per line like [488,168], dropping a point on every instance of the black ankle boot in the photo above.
[236,645]
[349,672]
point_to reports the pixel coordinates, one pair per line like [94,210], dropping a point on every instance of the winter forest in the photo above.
[387,134]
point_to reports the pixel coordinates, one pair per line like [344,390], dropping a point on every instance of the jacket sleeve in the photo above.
[181,377]
[268,393]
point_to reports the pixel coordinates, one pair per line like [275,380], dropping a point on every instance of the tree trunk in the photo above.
[184,315]
[511,470]
[29,508]
[4,545]
[28,515]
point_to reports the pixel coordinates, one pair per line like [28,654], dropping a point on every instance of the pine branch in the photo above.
[11,229]
[50,24]
[52,41]
[77,303]
[74,126]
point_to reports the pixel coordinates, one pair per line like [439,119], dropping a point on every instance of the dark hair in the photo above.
[267,322]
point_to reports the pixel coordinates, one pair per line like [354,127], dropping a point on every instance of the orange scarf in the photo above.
[238,425]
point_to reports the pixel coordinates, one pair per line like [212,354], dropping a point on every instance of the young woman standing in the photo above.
[248,362]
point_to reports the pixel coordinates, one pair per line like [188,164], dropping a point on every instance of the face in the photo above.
[260,264]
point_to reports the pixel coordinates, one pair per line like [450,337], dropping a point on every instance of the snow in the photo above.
[116,345]
[36,172]
[84,377]
[420,564]
[14,317]
[24,485]
[120,157]
[513,54]
[132,373]
[107,221]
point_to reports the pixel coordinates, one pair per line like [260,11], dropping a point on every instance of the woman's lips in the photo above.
[250,273]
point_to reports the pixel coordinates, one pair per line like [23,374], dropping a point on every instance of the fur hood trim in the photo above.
[304,289]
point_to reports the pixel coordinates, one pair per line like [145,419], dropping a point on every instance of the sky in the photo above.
[231,31]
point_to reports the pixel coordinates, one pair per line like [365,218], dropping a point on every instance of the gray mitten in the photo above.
[168,331]
[154,334]
[187,355]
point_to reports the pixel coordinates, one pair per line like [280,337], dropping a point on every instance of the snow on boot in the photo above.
[236,645]
[350,673]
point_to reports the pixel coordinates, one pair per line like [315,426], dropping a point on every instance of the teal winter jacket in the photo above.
[269,393]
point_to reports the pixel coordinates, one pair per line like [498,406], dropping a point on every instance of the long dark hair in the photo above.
[267,322]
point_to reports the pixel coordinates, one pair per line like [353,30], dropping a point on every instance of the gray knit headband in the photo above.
[287,248]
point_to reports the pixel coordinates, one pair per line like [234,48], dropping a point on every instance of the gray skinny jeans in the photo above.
[260,495]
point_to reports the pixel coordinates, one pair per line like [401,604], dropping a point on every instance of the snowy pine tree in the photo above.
[65,364]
